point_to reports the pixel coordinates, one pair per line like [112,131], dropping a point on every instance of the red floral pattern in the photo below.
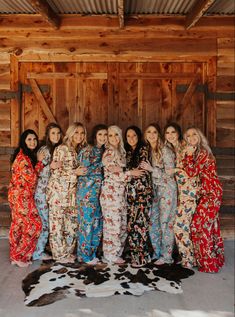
[26,224]
[205,228]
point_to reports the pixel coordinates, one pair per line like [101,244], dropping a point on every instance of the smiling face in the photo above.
[192,137]
[132,138]
[101,137]
[113,138]
[151,135]
[54,135]
[31,141]
[172,136]
[78,136]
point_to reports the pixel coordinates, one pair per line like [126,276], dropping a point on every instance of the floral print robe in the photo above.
[61,197]
[188,189]
[26,224]
[205,228]
[89,211]
[139,200]
[164,207]
[41,203]
[113,205]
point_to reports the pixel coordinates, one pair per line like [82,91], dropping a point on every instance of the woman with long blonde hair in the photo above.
[61,194]
[112,198]
[205,229]
[164,195]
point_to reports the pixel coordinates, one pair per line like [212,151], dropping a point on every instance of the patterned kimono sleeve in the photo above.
[27,173]
[107,159]
[84,157]
[194,166]
[144,155]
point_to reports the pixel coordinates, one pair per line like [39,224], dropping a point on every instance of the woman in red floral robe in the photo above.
[205,228]
[26,224]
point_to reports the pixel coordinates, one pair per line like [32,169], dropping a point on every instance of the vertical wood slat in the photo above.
[211,104]
[113,93]
[15,103]
[139,68]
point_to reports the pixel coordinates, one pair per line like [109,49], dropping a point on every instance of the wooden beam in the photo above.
[200,7]
[121,13]
[44,9]
[41,100]
[57,75]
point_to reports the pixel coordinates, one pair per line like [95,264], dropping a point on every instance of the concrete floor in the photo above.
[201,293]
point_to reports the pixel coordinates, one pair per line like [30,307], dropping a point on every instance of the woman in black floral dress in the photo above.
[139,198]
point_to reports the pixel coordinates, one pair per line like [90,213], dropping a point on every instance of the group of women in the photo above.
[145,193]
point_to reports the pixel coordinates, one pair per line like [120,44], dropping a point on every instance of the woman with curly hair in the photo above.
[199,161]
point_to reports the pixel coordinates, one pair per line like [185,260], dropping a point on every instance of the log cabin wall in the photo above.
[92,45]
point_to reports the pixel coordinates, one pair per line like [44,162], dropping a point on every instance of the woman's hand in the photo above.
[114,169]
[170,171]
[137,172]
[40,156]
[81,171]
[189,149]
[54,165]
[146,166]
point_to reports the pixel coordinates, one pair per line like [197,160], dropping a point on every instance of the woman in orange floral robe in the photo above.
[26,224]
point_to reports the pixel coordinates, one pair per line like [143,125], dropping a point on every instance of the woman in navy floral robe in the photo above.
[139,198]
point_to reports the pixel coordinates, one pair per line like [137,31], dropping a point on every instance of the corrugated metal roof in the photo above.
[15,6]
[165,7]
[222,7]
[158,6]
[84,6]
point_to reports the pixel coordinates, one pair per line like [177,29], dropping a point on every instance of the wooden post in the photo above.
[16,102]
[211,103]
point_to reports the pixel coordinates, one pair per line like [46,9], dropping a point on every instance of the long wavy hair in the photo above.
[46,141]
[120,153]
[128,148]
[32,154]
[68,138]
[203,142]
[155,153]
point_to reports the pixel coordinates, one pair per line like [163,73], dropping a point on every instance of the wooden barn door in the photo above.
[162,92]
[111,93]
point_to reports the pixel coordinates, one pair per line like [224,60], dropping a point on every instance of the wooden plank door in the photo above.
[113,93]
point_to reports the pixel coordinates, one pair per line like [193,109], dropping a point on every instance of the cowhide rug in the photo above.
[53,282]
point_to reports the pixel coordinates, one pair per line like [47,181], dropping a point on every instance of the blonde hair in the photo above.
[156,153]
[70,133]
[120,153]
[203,142]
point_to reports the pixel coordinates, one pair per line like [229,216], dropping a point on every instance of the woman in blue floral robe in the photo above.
[90,222]
[53,138]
